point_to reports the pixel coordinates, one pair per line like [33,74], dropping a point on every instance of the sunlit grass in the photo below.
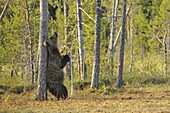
[146,89]
[149,98]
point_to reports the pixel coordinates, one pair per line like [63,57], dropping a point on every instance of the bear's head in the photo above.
[52,41]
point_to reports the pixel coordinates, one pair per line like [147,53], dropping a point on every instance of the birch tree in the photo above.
[132,38]
[112,34]
[165,53]
[31,66]
[41,90]
[96,62]
[121,52]
[113,27]
[72,75]
[81,40]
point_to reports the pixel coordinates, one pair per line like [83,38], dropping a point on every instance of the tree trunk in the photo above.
[121,53]
[112,34]
[165,53]
[72,75]
[96,62]
[30,40]
[113,28]
[66,14]
[81,41]
[120,29]
[168,46]
[42,69]
[132,38]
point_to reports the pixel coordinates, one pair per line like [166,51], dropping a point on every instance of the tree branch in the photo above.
[4,10]
[118,35]
[87,14]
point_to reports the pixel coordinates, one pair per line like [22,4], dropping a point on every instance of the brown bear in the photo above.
[55,65]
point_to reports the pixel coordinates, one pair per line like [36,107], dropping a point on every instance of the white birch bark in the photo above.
[132,38]
[81,40]
[31,66]
[112,35]
[113,28]
[72,76]
[42,68]
[165,53]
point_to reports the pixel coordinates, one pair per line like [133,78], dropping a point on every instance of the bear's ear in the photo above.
[56,34]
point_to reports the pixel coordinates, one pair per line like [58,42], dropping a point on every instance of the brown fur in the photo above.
[56,63]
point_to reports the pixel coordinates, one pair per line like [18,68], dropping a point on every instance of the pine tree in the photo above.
[96,63]
[121,52]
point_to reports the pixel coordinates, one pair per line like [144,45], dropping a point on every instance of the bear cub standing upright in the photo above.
[55,65]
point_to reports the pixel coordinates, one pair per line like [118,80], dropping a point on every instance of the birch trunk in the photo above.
[113,27]
[165,53]
[112,34]
[42,68]
[81,40]
[96,62]
[72,76]
[132,38]
[121,52]
[30,41]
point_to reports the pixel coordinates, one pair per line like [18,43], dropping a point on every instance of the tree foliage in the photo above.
[151,21]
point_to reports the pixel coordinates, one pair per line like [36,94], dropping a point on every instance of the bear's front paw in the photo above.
[64,61]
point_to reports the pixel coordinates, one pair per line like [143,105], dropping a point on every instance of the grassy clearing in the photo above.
[144,90]
[153,98]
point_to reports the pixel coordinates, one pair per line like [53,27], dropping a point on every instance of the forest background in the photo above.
[147,41]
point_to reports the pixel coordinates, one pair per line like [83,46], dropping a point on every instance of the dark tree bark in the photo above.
[122,43]
[96,62]
[67,28]
[120,29]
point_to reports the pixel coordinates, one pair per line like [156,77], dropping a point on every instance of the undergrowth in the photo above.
[148,71]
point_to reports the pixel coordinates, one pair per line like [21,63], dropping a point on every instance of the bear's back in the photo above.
[54,72]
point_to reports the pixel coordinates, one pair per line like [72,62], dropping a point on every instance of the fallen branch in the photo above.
[4,10]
